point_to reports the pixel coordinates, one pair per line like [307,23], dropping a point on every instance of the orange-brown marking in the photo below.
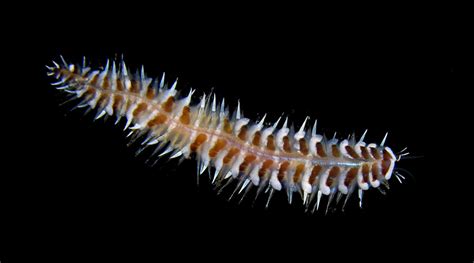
[256,138]
[314,174]
[386,155]
[247,161]
[227,126]
[135,86]
[266,164]
[106,83]
[286,144]
[335,151]
[168,105]
[320,149]
[139,109]
[375,172]
[271,143]
[185,116]
[200,139]
[298,172]
[385,166]
[350,176]
[159,119]
[232,152]
[303,147]
[118,101]
[120,85]
[282,171]
[218,146]
[387,161]
[332,175]
[375,153]
[243,133]
[352,152]
[365,172]
[150,92]
[365,153]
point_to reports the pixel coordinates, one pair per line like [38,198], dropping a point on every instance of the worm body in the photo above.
[259,157]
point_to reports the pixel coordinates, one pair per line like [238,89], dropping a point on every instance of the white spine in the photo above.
[305,180]
[238,125]
[340,184]
[274,180]
[282,133]
[236,165]
[254,174]
[322,183]
[360,181]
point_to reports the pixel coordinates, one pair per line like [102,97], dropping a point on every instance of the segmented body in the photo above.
[269,158]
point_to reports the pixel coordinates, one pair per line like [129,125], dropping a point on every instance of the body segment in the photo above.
[270,158]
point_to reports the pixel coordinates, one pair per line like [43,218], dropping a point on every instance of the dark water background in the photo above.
[76,191]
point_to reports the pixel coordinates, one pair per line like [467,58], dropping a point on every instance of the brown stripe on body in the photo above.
[140,109]
[243,133]
[256,139]
[200,139]
[298,172]
[263,170]
[168,104]
[185,115]
[386,162]
[365,172]
[157,120]
[282,171]
[365,153]
[150,92]
[286,144]
[271,143]
[320,149]
[218,146]
[106,83]
[385,166]
[333,173]
[118,102]
[135,86]
[352,152]
[314,174]
[227,126]
[247,161]
[375,153]
[304,147]
[335,151]
[232,152]
[351,175]
[119,85]
[375,172]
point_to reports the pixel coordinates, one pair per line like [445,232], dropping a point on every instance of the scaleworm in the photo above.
[254,155]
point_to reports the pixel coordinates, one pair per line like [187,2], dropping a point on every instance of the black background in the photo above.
[76,191]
